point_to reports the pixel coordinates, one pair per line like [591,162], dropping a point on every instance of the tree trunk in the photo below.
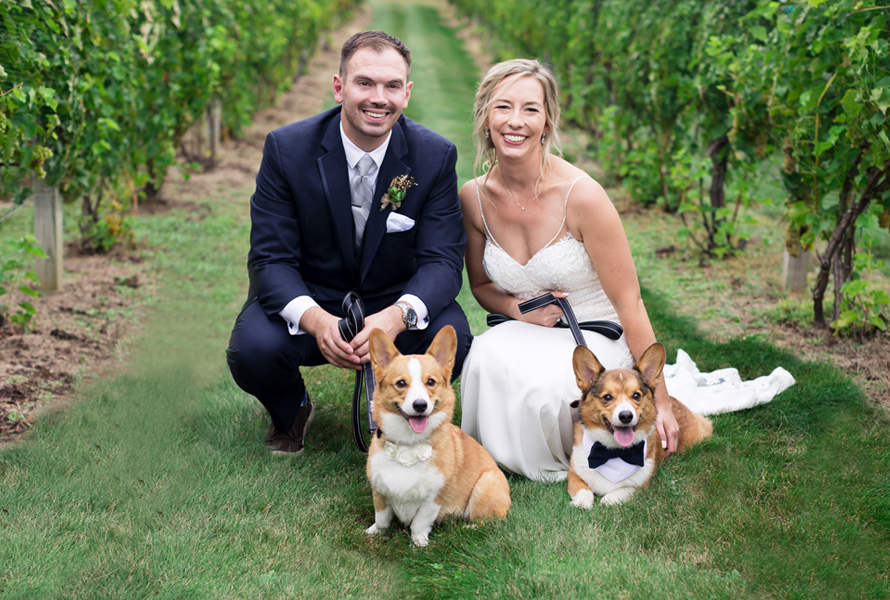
[840,262]
[89,214]
[878,181]
[152,193]
[843,268]
[719,155]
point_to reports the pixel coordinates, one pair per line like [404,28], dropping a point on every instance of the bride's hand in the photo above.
[669,430]
[547,316]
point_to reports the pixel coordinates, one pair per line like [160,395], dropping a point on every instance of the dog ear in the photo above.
[382,350]
[651,364]
[587,368]
[443,347]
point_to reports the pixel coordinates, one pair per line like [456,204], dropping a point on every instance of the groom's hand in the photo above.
[323,326]
[389,320]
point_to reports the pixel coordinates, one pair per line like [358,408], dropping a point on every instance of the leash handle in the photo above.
[548,298]
[609,329]
[349,326]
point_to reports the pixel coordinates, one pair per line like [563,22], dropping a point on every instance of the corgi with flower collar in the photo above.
[617,447]
[421,466]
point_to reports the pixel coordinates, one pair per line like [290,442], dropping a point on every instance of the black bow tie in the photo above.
[633,455]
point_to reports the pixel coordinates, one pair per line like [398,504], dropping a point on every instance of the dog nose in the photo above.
[419,406]
[625,416]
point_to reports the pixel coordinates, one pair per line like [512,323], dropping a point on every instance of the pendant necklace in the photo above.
[514,199]
[504,183]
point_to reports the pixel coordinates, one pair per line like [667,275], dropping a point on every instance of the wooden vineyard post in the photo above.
[48,231]
[794,270]
[214,118]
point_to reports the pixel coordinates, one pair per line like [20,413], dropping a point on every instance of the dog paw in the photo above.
[372,530]
[617,497]
[420,539]
[583,499]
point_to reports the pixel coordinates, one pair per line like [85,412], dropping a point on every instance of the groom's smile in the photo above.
[375,114]
[373,91]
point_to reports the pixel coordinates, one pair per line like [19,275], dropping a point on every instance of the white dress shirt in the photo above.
[293,311]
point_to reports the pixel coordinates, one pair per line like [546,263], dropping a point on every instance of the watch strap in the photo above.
[407,313]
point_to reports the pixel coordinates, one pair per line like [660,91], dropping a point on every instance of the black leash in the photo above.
[611,330]
[354,309]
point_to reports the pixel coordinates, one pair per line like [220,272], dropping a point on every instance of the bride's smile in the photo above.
[517,118]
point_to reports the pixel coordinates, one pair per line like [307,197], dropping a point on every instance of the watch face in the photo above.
[409,317]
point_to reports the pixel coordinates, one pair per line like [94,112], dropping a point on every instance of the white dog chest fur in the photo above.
[406,488]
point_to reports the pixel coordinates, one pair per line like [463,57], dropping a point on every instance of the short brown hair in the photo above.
[376,40]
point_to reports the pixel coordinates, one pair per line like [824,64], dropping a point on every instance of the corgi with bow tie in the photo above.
[617,448]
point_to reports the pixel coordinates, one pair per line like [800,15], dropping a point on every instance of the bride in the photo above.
[536,223]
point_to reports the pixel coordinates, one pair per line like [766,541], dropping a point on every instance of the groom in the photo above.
[320,228]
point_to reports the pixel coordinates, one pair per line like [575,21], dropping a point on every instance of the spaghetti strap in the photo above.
[565,210]
[558,231]
[482,214]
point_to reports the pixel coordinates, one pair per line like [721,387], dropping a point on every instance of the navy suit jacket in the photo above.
[302,233]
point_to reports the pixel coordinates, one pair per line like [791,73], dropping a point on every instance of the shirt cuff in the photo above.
[293,312]
[423,313]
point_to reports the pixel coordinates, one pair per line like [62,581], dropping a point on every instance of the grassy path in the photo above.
[155,482]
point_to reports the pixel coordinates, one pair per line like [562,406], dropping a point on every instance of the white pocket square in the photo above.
[396,222]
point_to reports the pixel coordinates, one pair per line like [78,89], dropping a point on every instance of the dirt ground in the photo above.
[82,329]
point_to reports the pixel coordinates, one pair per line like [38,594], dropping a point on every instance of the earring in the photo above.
[487,133]
[543,138]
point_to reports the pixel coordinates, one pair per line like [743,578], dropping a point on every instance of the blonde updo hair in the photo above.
[516,68]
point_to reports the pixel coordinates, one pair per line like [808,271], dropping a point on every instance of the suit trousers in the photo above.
[265,359]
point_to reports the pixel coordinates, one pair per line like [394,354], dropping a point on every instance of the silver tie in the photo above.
[361,197]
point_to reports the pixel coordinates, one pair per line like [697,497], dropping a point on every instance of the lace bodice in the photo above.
[562,265]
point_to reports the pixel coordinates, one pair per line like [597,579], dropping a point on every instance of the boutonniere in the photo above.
[398,189]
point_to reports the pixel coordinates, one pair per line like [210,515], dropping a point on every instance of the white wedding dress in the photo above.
[517,381]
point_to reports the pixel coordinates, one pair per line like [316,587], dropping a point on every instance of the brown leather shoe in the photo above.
[291,443]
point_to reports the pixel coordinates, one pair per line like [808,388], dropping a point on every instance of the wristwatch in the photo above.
[409,317]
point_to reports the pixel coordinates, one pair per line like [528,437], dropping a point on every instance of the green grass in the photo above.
[155,483]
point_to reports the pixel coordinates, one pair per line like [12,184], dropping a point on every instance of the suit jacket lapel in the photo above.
[335,179]
[393,165]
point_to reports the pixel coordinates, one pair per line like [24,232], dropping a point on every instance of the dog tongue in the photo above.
[418,424]
[624,436]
